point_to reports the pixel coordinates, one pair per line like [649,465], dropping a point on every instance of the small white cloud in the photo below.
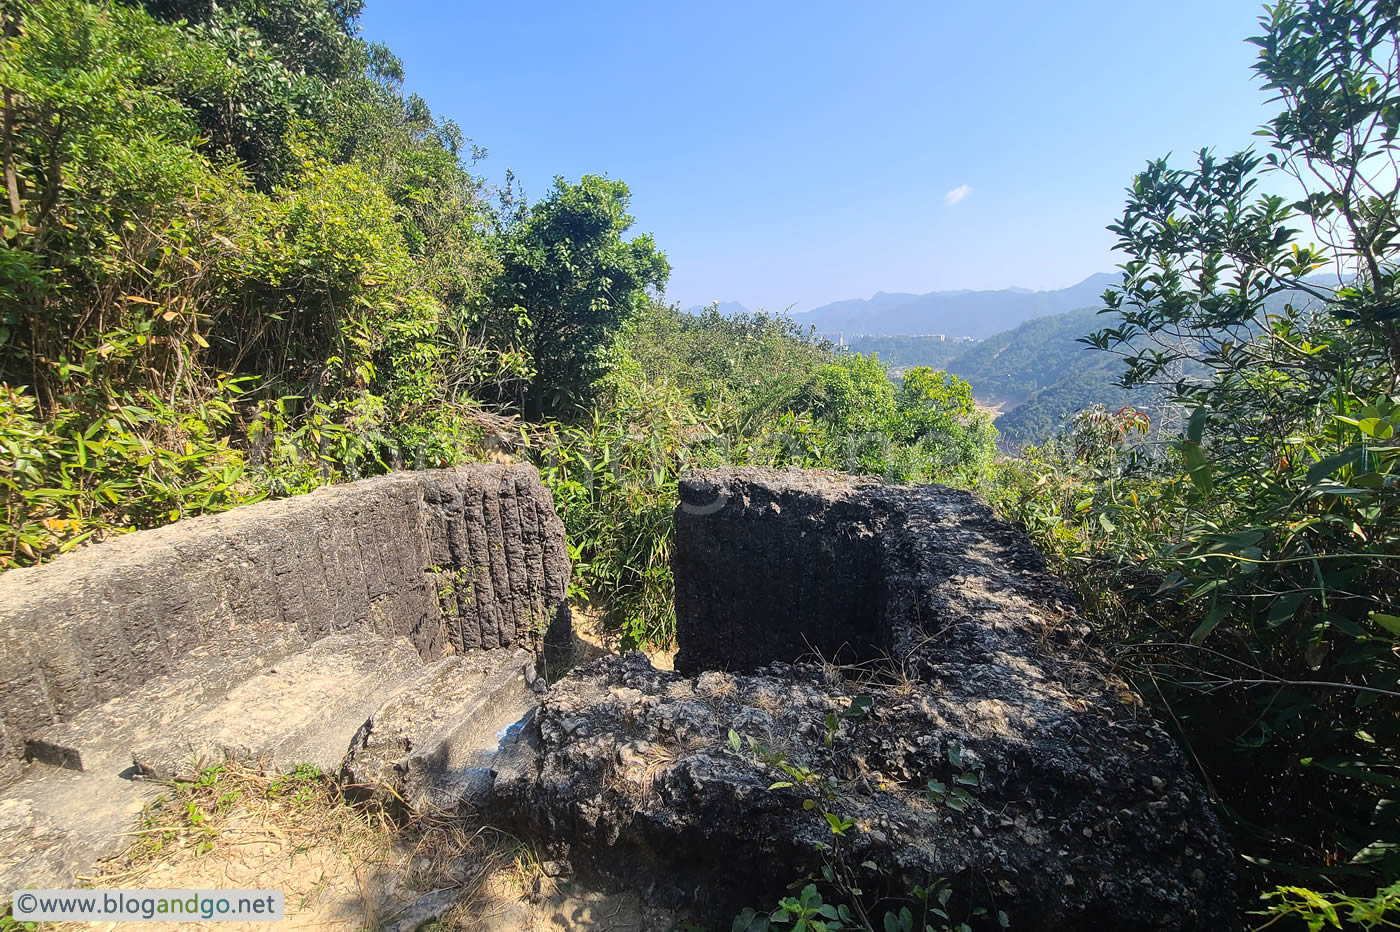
[957,194]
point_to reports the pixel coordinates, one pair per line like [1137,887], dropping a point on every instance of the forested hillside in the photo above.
[1040,372]
[1044,375]
[239,260]
[901,352]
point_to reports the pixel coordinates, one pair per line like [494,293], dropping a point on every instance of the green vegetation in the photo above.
[240,261]
[688,391]
[569,282]
[900,351]
[1247,567]
[838,898]
[1040,370]
[222,274]
[237,260]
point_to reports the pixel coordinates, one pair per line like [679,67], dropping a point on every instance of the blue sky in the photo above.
[790,154]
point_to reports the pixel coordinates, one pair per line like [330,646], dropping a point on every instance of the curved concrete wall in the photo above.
[457,559]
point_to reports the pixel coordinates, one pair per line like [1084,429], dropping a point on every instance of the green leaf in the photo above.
[1376,427]
[860,705]
[1390,623]
[1208,624]
[1284,608]
[1356,769]
[735,741]
[1196,426]
[750,921]
[1376,851]
[1330,465]
[1197,467]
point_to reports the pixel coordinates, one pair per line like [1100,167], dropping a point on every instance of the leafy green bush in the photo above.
[237,261]
[614,480]
[1319,911]
[66,481]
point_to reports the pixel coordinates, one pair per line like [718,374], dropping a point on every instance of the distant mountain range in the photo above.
[1024,356]
[726,308]
[976,314]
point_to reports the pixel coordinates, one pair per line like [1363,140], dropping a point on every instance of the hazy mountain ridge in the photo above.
[1035,367]
[976,314]
[726,308]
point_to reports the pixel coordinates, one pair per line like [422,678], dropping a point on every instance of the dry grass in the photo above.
[340,866]
[347,867]
[884,672]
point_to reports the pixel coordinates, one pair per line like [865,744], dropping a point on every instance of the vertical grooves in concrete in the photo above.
[486,595]
[494,558]
[556,565]
[510,556]
[534,557]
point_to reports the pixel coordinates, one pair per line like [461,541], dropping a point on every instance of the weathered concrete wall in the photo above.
[768,571]
[786,565]
[452,559]
[985,741]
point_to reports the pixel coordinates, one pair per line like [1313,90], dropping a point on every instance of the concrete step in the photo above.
[433,743]
[426,734]
[100,739]
[80,792]
[77,794]
[303,710]
[55,826]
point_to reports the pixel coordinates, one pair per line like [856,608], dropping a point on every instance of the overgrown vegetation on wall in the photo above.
[238,260]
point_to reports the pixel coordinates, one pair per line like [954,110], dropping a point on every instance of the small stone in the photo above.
[423,910]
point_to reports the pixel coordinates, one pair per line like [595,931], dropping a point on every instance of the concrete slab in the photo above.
[305,709]
[434,742]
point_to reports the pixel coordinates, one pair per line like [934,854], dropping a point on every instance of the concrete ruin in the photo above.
[899,659]
[880,681]
[277,633]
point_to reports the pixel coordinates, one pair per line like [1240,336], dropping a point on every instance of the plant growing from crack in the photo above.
[924,909]
[966,779]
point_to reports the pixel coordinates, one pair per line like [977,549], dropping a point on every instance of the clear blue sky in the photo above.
[794,154]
